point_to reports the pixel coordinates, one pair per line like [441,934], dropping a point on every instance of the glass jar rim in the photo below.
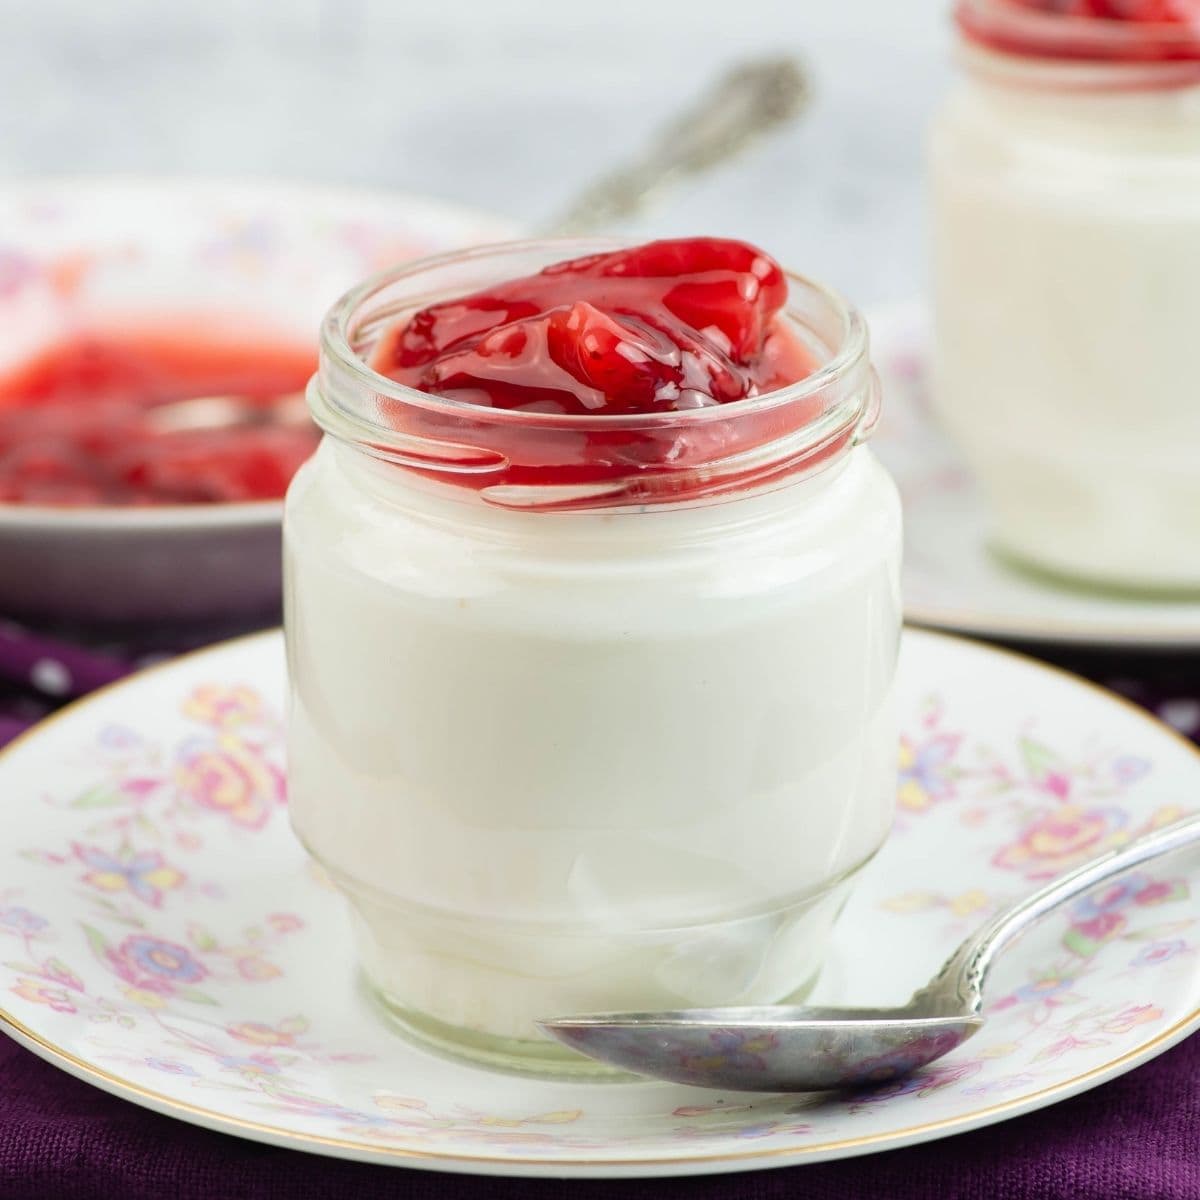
[516,458]
[335,342]
[1018,31]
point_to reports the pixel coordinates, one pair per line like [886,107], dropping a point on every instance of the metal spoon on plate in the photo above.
[227,412]
[742,105]
[783,1048]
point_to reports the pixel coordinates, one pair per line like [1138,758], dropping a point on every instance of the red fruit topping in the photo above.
[661,329]
[1136,31]
[76,425]
[1146,11]
[669,326]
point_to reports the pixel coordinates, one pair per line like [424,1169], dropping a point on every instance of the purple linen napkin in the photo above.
[1137,1138]
[39,672]
[40,669]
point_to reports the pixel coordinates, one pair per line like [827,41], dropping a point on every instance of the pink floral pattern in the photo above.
[36,992]
[229,778]
[163,924]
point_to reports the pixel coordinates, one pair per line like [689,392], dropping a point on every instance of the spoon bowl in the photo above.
[734,1048]
[787,1048]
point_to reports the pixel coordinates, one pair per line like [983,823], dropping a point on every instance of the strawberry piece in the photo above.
[671,325]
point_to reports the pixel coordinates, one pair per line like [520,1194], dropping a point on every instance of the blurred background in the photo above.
[511,106]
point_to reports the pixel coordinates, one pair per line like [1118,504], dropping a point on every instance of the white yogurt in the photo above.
[1066,237]
[563,762]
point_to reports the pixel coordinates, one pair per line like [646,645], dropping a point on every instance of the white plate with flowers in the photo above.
[163,936]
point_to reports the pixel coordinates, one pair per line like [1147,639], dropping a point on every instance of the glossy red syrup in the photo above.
[1138,31]
[1144,11]
[75,428]
[671,326]
[590,348]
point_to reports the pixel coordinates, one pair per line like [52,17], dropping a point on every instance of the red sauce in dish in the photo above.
[78,428]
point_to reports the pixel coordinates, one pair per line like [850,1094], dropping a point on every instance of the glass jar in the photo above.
[572,742]
[1066,249]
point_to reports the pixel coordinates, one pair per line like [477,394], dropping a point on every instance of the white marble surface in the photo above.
[508,104]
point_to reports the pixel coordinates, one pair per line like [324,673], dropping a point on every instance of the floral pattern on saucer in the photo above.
[160,925]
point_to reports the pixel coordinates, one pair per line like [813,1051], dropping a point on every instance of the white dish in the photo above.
[163,936]
[284,251]
[952,580]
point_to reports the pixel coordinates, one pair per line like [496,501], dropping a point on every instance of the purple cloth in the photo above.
[1137,1138]
[42,669]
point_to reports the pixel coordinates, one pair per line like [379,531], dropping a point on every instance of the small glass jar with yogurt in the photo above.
[1066,247]
[572,744]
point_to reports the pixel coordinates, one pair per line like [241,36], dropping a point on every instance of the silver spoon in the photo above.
[751,99]
[227,412]
[784,1048]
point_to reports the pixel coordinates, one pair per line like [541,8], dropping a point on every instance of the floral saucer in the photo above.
[163,936]
[951,578]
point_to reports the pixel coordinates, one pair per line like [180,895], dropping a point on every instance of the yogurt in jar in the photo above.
[1066,236]
[565,755]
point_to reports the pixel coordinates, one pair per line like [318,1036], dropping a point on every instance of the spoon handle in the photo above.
[960,981]
[751,99]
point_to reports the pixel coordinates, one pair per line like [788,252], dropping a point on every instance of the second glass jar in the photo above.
[1065,176]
